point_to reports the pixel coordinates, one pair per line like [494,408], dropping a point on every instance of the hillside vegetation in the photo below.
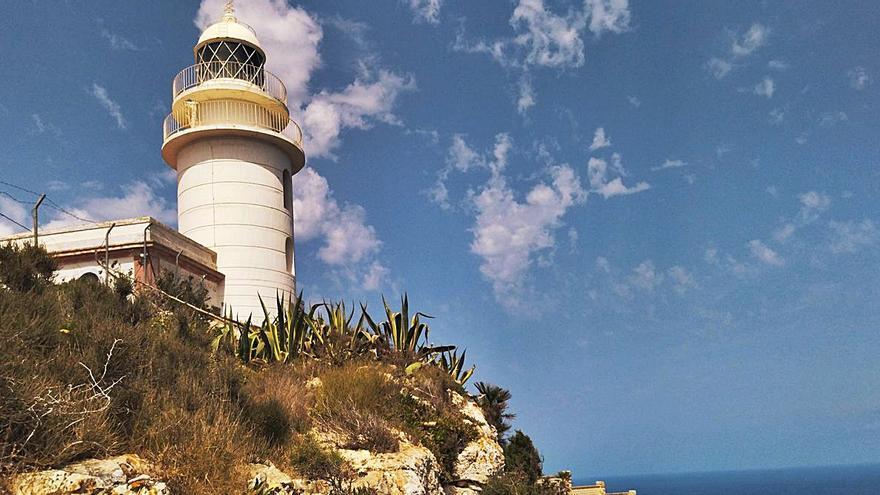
[90,371]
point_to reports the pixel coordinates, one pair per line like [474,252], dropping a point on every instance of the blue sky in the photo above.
[655,222]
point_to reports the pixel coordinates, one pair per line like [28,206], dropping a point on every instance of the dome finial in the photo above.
[229,11]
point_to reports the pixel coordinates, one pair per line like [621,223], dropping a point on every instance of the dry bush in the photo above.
[313,462]
[278,397]
[358,401]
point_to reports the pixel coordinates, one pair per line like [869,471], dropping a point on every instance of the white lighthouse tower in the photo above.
[235,149]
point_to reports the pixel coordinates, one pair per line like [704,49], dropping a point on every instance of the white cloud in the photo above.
[511,233]
[289,35]
[348,239]
[113,108]
[634,101]
[849,237]
[718,67]
[776,116]
[859,78]
[599,172]
[357,106]
[600,140]
[508,233]
[751,40]
[783,233]
[742,46]
[682,279]
[526,99]
[426,10]
[57,185]
[549,40]
[14,210]
[813,204]
[39,126]
[830,119]
[645,276]
[375,277]
[463,158]
[778,65]
[608,15]
[543,38]
[669,163]
[118,42]
[137,199]
[765,88]
[764,254]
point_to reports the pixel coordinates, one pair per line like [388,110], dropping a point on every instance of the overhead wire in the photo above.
[13,221]
[49,202]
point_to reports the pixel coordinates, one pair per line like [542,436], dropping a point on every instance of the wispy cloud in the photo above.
[742,45]
[113,108]
[369,99]
[118,42]
[136,199]
[602,183]
[526,98]
[859,78]
[765,88]
[851,236]
[543,38]
[778,65]
[15,211]
[751,40]
[719,67]
[764,253]
[600,140]
[425,10]
[670,163]
[349,242]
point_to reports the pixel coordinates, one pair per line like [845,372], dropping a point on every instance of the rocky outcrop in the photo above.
[481,458]
[122,475]
[411,470]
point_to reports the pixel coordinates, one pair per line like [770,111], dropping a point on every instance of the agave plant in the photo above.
[452,363]
[333,336]
[401,334]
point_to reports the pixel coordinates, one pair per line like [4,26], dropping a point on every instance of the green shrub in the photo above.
[270,421]
[493,400]
[515,483]
[521,456]
[313,462]
[26,268]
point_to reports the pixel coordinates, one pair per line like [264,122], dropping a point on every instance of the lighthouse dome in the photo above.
[230,29]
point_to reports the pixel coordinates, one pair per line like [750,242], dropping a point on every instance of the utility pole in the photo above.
[36,218]
[107,254]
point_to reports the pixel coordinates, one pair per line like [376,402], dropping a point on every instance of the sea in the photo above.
[842,480]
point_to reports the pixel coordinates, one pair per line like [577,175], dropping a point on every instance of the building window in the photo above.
[288,251]
[287,189]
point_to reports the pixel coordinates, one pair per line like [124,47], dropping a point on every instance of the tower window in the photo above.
[287,189]
[288,251]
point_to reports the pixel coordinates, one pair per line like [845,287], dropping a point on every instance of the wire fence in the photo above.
[49,203]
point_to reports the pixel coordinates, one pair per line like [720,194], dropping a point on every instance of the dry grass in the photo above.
[87,373]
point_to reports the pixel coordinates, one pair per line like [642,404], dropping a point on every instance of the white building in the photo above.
[235,149]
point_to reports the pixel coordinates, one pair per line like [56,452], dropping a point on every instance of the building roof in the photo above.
[127,233]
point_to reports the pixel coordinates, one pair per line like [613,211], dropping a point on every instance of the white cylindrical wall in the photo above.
[230,198]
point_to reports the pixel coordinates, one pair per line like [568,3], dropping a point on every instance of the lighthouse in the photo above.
[235,149]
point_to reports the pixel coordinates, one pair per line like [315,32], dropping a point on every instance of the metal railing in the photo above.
[209,71]
[231,112]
